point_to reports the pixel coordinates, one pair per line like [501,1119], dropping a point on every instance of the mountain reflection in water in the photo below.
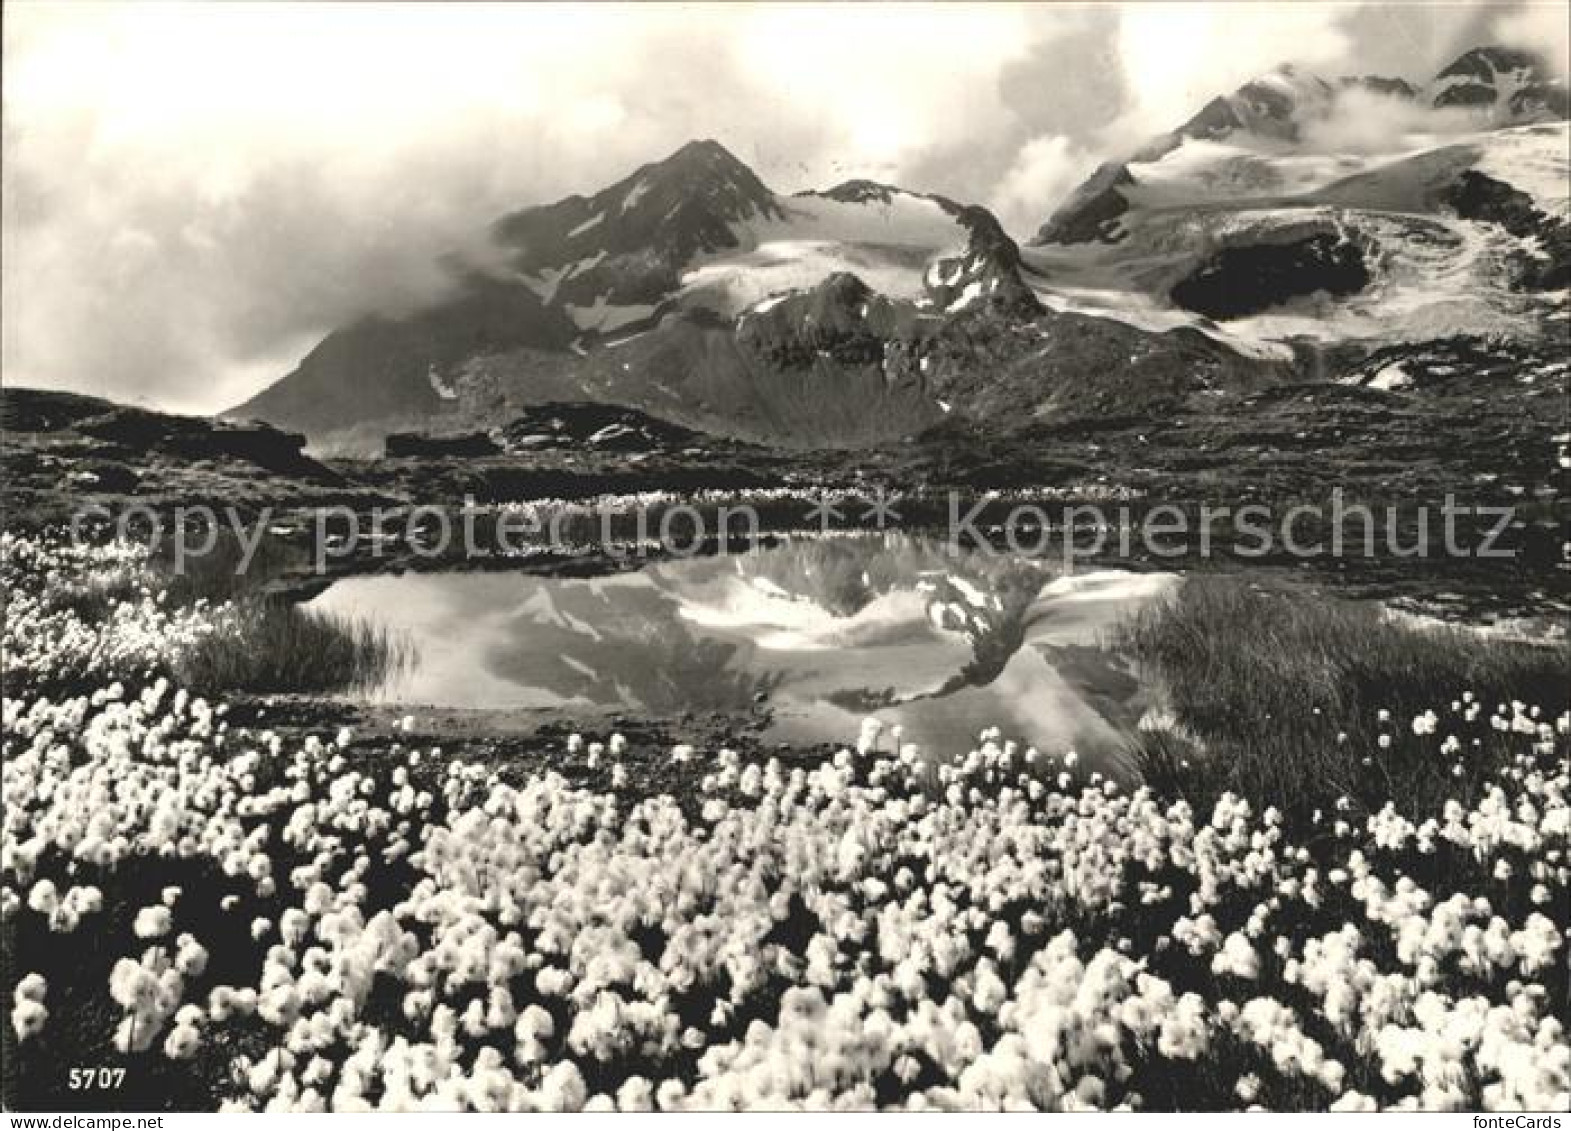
[823,631]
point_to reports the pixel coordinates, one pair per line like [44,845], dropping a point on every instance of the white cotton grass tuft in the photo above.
[28,1012]
[153,922]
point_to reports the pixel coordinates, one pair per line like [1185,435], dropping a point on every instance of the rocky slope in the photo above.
[64,451]
[382,373]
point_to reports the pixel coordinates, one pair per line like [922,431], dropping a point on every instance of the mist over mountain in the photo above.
[1484,88]
[1295,214]
[688,288]
[184,226]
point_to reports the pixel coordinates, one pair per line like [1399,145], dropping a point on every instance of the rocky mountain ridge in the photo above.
[1222,255]
[1498,86]
[722,274]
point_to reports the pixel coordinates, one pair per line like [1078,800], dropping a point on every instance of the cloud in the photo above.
[1541,27]
[1180,56]
[1368,121]
[193,193]
[1071,80]
[1150,66]
[1046,171]
[1165,61]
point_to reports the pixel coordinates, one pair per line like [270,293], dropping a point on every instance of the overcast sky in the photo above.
[194,194]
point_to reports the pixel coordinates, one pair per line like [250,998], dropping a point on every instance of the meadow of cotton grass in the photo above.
[209,626]
[245,921]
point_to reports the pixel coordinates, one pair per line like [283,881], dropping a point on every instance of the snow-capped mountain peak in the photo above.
[1504,84]
[689,269]
[702,173]
[1272,105]
[1284,213]
[988,272]
[627,244]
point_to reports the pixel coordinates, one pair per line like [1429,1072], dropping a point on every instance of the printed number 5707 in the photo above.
[103,1078]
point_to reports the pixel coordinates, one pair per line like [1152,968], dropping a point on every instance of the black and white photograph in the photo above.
[767,557]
